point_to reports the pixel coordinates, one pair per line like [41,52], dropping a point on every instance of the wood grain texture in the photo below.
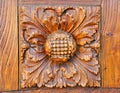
[68,90]
[8,45]
[110,52]
[73,90]
[11,92]
[83,2]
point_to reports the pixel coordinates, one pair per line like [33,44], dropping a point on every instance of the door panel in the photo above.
[109,54]
[8,45]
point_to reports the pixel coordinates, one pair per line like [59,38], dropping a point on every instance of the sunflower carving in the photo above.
[59,46]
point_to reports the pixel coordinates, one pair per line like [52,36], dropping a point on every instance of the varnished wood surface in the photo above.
[67,2]
[8,45]
[37,66]
[10,92]
[110,49]
[69,90]
[109,55]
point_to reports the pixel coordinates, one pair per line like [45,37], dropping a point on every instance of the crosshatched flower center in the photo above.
[60,46]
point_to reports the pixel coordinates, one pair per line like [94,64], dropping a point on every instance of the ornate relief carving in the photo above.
[59,46]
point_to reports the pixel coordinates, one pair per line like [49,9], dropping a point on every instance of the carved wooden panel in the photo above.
[59,46]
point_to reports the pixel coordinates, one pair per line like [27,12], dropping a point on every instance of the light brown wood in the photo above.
[43,28]
[68,90]
[110,49]
[109,52]
[66,2]
[11,92]
[8,45]
[73,90]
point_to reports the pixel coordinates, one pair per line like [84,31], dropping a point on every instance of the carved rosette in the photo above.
[59,46]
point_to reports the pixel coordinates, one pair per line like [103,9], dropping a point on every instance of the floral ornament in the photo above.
[60,46]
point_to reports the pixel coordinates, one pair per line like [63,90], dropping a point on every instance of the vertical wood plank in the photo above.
[110,52]
[8,45]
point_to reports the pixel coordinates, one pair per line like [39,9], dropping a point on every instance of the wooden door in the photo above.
[58,46]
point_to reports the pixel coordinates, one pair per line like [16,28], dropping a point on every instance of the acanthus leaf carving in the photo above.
[60,46]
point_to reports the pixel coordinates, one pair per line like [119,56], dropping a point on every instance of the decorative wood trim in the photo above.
[68,90]
[66,2]
[37,24]
[73,90]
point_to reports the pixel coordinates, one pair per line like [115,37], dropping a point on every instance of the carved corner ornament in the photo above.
[59,46]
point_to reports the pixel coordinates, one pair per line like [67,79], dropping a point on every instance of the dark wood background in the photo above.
[109,53]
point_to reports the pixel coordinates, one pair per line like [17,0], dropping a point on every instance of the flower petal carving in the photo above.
[85,54]
[87,71]
[88,27]
[67,22]
[37,67]
[51,23]
[79,17]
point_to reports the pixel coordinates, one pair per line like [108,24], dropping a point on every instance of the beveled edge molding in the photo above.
[65,2]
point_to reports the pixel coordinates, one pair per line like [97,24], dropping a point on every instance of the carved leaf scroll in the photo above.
[36,66]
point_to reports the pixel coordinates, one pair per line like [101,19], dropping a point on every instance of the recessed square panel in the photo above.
[74,31]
